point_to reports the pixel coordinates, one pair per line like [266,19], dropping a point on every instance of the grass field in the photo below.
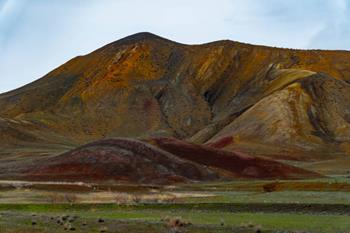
[20,217]
[240,206]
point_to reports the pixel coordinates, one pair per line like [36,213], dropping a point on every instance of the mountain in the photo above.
[279,103]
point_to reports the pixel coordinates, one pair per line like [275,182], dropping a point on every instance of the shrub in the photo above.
[71,198]
[271,187]
[176,224]
[250,225]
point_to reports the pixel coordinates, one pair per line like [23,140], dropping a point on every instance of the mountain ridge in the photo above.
[149,35]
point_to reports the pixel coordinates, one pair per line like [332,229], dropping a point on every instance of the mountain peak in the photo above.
[141,36]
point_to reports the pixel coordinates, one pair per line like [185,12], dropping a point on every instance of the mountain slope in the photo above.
[145,85]
[232,162]
[309,115]
[122,160]
[156,161]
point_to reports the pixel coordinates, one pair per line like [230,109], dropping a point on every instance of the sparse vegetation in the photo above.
[251,209]
[70,198]
[251,226]
[175,224]
[177,219]
[270,187]
[127,198]
[55,198]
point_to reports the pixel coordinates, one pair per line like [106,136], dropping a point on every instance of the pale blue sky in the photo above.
[38,35]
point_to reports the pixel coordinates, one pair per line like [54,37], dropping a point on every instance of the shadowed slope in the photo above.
[239,164]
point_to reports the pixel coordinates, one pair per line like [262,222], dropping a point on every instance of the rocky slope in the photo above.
[236,164]
[308,115]
[156,161]
[123,160]
[280,103]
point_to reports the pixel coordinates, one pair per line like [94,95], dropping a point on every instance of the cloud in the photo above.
[37,36]
[9,13]
[335,33]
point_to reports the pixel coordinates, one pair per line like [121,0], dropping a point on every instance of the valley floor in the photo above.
[321,205]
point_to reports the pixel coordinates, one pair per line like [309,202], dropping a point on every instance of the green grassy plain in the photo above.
[241,206]
[21,217]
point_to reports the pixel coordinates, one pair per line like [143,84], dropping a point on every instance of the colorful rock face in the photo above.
[156,161]
[279,103]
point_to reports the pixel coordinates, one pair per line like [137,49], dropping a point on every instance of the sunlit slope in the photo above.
[306,119]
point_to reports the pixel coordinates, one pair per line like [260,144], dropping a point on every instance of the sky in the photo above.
[37,36]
